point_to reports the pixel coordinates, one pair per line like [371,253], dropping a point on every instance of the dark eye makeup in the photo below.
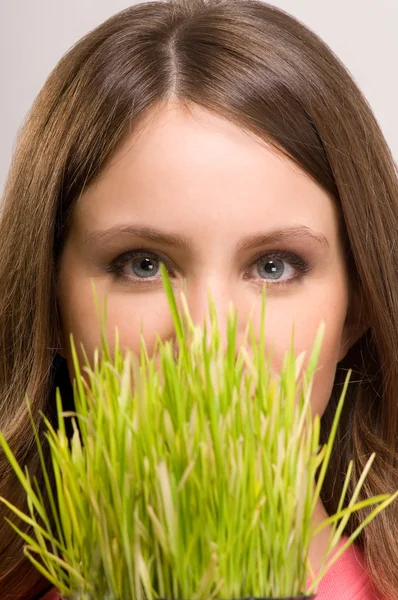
[273,261]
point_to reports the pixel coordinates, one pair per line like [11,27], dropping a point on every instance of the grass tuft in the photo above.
[190,480]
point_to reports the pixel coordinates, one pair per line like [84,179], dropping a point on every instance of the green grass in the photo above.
[189,481]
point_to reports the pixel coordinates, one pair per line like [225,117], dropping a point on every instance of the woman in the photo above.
[226,140]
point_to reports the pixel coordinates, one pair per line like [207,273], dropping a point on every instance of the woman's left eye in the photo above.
[279,267]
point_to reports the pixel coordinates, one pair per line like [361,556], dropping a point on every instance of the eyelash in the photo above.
[301,264]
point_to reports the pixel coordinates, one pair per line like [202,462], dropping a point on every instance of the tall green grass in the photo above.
[189,480]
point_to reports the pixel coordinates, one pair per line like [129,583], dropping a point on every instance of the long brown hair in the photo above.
[266,72]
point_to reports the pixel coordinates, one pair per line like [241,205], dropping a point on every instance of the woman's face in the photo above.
[218,208]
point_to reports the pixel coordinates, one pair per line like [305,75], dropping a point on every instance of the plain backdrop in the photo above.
[34,34]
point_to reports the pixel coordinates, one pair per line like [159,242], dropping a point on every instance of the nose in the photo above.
[225,299]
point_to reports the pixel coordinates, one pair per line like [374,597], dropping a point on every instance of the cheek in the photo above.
[148,314]
[305,320]
[325,375]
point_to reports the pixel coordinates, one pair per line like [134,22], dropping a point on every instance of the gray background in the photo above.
[34,34]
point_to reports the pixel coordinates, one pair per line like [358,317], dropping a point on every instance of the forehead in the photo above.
[191,168]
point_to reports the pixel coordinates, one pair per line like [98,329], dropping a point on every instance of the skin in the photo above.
[198,175]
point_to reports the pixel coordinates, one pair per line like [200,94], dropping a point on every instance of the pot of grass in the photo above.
[188,476]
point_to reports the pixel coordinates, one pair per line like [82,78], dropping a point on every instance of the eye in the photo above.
[144,266]
[278,268]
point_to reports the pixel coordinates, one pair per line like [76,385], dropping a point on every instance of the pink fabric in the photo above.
[347,579]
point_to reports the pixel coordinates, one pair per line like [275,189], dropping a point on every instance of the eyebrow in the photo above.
[183,242]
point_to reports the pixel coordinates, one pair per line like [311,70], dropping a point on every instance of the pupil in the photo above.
[144,267]
[273,268]
[147,264]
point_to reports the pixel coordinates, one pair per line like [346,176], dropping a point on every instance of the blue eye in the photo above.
[273,269]
[279,267]
[145,267]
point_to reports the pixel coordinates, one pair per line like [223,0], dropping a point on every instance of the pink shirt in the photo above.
[345,580]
